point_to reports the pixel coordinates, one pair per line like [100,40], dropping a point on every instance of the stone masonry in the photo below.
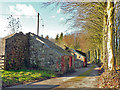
[16,51]
[33,52]
[45,54]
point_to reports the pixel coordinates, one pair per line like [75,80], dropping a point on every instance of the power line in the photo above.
[20,15]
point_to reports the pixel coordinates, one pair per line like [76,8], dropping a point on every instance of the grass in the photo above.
[14,77]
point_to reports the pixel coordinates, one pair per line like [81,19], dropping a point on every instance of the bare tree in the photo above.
[14,24]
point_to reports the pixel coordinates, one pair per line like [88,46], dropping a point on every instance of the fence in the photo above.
[2,58]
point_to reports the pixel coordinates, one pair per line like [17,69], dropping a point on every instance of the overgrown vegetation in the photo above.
[14,77]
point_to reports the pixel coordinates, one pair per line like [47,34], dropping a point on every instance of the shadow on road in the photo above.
[31,87]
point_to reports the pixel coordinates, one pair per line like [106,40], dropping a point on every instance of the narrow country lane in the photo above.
[86,80]
[85,77]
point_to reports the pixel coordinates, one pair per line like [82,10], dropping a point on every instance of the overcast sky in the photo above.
[53,19]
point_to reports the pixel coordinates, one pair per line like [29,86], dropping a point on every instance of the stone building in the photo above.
[16,51]
[81,58]
[33,52]
[47,55]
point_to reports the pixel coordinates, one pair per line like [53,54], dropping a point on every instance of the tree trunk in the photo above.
[91,55]
[110,41]
[119,51]
[118,62]
[105,31]
[98,55]
[118,40]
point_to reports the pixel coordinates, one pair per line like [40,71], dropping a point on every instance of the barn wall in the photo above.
[28,51]
[16,51]
[68,66]
[78,63]
[41,56]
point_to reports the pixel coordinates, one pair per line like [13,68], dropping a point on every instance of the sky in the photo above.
[51,17]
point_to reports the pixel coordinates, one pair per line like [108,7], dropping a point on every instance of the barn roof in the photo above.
[82,53]
[77,51]
[47,43]
[52,45]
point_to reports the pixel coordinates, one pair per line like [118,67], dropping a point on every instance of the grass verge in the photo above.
[15,77]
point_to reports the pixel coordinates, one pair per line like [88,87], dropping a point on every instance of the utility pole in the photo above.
[38,25]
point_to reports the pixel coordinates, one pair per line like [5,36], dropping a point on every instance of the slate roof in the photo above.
[46,42]
[52,45]
[82,53]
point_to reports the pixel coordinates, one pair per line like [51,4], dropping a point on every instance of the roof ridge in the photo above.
[52,45]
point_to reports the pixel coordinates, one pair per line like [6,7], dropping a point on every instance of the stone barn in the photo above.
[81,56]
[47,55]
[16,51]
[81,59]
[33,52]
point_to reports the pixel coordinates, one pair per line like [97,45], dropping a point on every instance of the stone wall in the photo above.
[78,63]
[67,67]
[16,51]
[33,52]
[79,60]
[43,55]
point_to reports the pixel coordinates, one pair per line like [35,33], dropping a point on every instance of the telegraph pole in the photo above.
[38,25]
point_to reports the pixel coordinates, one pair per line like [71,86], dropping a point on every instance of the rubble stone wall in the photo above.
[78,63]
[16,51]
[29,51]
[41,56]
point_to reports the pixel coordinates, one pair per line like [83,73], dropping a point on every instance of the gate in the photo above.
[2,59]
